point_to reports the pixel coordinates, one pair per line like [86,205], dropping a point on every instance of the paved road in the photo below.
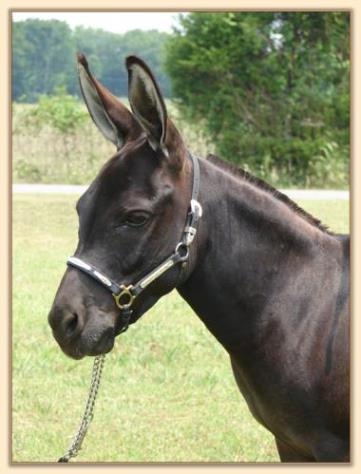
[301,194]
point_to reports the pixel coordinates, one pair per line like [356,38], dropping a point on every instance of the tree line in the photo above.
[44,54]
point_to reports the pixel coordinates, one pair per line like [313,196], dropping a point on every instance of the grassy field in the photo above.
[167,393]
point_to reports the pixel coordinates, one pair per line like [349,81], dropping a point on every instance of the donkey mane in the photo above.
[259,183]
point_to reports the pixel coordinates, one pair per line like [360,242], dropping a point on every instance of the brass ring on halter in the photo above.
[127,295]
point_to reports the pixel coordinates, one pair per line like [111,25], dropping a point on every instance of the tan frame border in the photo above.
[5,194]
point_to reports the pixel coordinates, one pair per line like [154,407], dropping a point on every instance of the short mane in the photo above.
[259,183]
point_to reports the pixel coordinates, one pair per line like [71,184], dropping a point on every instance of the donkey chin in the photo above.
[89,343]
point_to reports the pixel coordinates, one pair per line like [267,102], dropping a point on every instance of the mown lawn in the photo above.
[167,393]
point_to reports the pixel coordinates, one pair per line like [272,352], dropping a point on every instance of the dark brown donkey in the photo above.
[266,278]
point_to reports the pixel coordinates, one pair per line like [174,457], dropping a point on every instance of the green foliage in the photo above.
[44,57]
[55,141]
[106,53]
[27,172]
[59,119]
[61,111]
[268,91]
[271,88]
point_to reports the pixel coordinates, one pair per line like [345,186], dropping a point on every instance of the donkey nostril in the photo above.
[71,323]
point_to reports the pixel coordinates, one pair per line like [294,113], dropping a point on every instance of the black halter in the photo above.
[123,295]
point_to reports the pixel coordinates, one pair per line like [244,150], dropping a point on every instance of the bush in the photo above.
[272,90]
[27,171]
[55,141]
[61,111]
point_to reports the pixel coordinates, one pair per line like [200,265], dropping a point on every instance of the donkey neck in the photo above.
[246,238]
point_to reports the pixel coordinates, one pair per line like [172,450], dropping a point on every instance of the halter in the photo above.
[124,295]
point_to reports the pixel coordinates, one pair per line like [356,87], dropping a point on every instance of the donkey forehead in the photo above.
[131,177]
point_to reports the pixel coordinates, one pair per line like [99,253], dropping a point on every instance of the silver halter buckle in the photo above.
[191,230]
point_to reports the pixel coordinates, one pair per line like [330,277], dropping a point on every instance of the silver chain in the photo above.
[77,441]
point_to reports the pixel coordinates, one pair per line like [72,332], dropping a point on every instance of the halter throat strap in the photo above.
[124,295]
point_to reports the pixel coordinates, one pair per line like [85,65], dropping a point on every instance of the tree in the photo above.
[106,53]
[272,88]
[42,57]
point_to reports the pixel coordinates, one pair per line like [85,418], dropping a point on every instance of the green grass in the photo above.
[167,393]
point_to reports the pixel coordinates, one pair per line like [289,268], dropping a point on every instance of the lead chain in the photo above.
[77,441]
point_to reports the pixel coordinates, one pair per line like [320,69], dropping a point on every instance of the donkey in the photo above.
[265,277]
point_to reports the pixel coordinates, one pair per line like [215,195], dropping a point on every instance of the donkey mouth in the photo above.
[78,353]
[73,353]
[97,344]
[90,345]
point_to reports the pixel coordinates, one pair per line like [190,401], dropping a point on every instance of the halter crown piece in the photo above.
[124,295]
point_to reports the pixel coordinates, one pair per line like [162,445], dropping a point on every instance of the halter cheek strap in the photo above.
[124,295]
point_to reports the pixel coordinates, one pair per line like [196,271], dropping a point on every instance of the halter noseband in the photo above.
[123,295]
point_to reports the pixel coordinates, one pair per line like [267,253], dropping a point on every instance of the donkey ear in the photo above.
[108,113]
[146,102]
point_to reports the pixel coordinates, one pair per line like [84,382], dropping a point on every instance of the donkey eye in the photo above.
[136,219]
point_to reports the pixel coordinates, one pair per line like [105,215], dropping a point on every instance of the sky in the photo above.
[116,22]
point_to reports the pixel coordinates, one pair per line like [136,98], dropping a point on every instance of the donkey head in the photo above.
[131,216]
